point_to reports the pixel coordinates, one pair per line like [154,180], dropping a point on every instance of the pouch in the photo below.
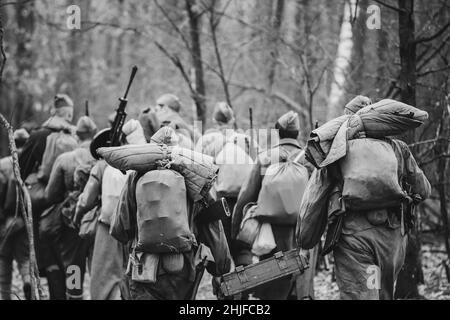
[143,267]
[172,262]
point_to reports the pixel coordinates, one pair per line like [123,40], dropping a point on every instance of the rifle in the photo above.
[203,257]
[252,138]
[86,108]
[112,137]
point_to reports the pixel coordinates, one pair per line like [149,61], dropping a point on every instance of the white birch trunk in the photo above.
[342,62]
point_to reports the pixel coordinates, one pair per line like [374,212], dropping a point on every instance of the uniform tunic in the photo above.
[372,247]
[170,286]
[107,270]
[284,235]
[72,249]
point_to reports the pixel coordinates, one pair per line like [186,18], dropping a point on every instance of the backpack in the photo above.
[57,143]
[184,141]
[162,213]
[370,172]
[282,190]
[235,165]
[112,185]
[211,143]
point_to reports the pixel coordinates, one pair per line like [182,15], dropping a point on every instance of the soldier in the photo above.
[72,249]
[33,151]
[55,130]
[170,284]
[13,236]
[288,127]
[107,271]
[168,108]
[373,243]
[368,245]
[169,100]
[212,142]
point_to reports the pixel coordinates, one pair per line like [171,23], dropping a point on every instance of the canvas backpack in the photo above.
[370,172]
[57,143]
[162,213]
[235,165]
[112,184]
[282,190]
[211,143]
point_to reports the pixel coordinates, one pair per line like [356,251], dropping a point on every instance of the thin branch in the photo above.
[433,54]
[173,24]
[438,157]
[389,6]
[428,142]
[423,74]
[14,3]
[176,61]
[214,23]
[434,36]
[2,51]
[290,103]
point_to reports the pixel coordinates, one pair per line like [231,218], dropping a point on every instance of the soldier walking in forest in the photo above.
[13,236]
[61,188]
[368,237]
[288,148]
[55,137]
[164,264]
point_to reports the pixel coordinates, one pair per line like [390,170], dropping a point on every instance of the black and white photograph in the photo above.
[224,154]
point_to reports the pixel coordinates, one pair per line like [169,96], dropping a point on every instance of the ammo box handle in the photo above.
[240,271]
[279,256]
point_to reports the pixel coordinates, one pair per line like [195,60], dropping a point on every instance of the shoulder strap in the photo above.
[289,144]
[301,154]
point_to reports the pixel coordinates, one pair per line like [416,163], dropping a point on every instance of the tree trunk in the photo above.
[277,20]
[24,59]
[196,55]
[355,85]
[411,274]
[341,63]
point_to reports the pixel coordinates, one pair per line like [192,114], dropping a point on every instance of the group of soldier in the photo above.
[368,238]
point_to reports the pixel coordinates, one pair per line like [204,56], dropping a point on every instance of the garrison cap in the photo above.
[169,100]
[223,112]
[289,121]
[62,100]
[357,104]
[86,125]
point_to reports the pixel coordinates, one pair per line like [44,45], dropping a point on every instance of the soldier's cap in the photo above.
[357,104]
[86,125]
[170,100]
[165,135]
[289,121]
[62,100]
[21,135]
[223,112]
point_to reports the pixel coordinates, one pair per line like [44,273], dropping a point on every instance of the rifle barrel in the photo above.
[133,74]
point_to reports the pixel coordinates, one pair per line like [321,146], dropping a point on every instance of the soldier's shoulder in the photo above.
[6,164]
[265,157]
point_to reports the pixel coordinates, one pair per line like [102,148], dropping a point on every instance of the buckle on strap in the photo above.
[279,256]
